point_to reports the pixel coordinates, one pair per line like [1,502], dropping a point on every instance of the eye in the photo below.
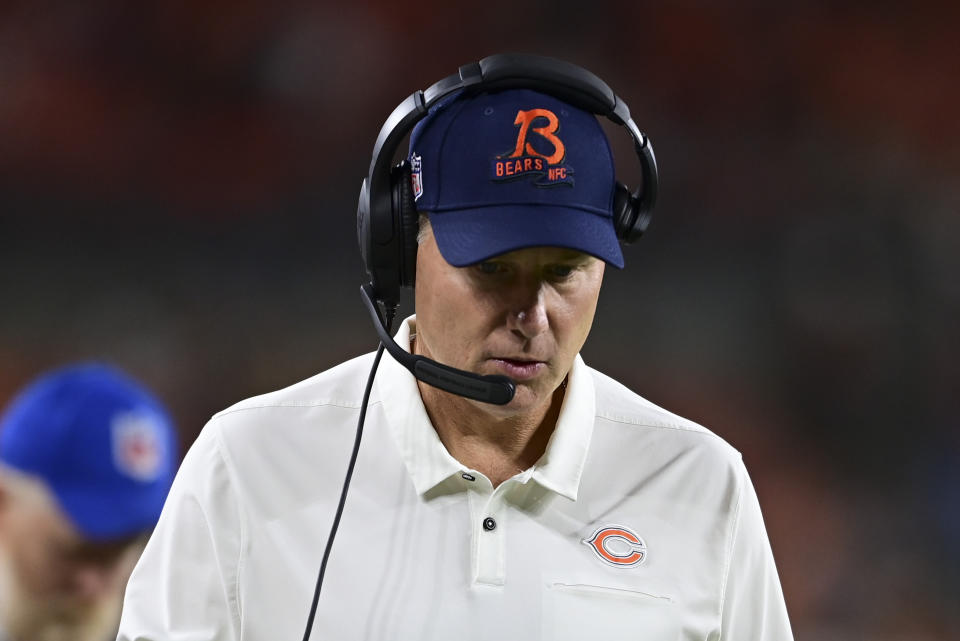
[488,267]
[560,271]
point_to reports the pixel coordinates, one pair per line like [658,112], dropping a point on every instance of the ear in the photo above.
[5,500]
[8,496]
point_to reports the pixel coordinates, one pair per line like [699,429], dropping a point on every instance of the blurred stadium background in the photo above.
[178,188]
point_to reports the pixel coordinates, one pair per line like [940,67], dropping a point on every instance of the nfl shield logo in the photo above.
[137,445]
[416,179]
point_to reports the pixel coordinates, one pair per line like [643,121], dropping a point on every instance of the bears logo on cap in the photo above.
[544,161]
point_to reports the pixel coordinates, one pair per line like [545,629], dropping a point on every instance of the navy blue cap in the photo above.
[513,169]
[100,441]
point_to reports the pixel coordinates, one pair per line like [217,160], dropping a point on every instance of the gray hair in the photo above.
[424,228]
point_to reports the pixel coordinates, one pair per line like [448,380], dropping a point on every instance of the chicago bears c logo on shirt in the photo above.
[618,546]
[542,160]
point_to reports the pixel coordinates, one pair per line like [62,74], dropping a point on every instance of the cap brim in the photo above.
[106,515]
[468,236]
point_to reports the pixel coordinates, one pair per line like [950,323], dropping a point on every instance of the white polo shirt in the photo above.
[635,524]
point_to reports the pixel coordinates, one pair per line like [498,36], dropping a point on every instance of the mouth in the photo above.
[519,369]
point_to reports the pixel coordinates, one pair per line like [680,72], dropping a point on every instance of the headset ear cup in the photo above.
[405,213]
[624,213]
[630,215]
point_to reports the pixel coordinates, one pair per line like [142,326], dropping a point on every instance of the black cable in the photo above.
[346,481]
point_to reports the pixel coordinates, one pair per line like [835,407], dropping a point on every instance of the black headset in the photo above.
[387,218]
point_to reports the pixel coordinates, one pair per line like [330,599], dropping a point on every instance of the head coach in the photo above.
[504,489]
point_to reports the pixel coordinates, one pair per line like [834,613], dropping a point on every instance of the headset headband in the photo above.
[376,226]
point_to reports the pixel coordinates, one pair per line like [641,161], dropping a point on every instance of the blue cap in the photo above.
[102,443]
[514,169]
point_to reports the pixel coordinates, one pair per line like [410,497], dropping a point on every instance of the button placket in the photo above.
[488,537]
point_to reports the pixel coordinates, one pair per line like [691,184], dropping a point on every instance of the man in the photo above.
[86,458]
[577,510]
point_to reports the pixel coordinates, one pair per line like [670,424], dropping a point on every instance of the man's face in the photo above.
[524,314]
[54,584]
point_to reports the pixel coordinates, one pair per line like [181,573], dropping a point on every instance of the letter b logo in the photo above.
[525,120]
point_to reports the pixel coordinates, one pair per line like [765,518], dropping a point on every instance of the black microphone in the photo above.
[492,388]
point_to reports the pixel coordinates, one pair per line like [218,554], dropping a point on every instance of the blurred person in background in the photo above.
[87,456]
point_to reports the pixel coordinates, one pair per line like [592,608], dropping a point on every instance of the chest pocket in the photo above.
[576,611]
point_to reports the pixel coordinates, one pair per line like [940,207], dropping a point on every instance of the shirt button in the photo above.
[468,477]
[489,524]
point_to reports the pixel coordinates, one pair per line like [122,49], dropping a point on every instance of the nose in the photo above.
[528,316]
[91,581]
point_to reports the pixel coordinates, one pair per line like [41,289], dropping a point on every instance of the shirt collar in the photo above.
[427,460]
[560,467]
[429,463]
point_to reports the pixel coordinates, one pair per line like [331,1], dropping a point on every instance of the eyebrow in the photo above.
[577,256]
[100,550]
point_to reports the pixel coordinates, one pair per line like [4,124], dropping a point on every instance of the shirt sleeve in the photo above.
[752,604]
[184,587]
